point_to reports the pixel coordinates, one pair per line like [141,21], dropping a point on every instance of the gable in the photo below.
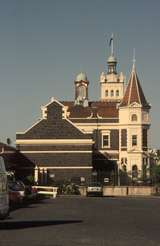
[54,126]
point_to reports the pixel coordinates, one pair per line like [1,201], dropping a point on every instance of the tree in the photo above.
[8,141]
[156,174]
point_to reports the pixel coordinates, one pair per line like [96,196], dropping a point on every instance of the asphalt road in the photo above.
[77,221]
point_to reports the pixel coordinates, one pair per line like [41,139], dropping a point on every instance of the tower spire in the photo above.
[134,92]
[111,44]
[134,59]
[112,62]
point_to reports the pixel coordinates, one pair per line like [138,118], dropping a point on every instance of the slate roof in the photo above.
[54,127]
[134,92]
[101,108]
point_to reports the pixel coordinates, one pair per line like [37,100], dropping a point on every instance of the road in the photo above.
[76,221]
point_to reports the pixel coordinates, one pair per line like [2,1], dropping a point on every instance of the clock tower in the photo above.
[111,83]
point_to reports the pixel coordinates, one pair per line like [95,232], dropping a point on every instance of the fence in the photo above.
[46,190]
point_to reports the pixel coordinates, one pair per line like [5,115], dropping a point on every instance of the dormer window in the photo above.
[134,117]
[112,93]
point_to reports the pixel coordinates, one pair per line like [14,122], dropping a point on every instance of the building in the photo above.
[16,162]
[82,138]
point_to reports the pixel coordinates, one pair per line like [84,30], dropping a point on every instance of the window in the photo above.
[124,161]
[134,171]
[106,93]
[82,92]
[124,138]
[145,116]
[134,140]
[117,93]
[106,141]
[112,93]
[144,138]
[134,117]
[124,168]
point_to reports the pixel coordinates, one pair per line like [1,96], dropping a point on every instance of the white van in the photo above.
[4,200]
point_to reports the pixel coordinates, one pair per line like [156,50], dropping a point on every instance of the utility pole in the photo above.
[118,174]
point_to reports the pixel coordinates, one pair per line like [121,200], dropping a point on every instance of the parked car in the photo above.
[95,189]
[16,192]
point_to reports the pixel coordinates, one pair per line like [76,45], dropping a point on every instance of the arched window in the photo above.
[106,93]
[134,117]
[117,93]
[82,92]
[124,168]
[112,93]
[134,171]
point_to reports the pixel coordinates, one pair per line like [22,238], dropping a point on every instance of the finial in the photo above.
[134,58]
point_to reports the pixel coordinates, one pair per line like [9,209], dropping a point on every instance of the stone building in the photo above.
[80,138]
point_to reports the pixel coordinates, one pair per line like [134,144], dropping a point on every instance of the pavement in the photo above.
[87,221]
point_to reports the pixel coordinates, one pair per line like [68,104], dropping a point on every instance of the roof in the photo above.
[134,92]
[81,77]
[96,108]
[6,147]
[111,59]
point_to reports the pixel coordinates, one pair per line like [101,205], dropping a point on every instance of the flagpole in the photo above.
[112,45]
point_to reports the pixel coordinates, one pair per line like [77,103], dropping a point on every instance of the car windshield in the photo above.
[15,185]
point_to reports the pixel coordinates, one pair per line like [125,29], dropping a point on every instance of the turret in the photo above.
[81,89]
[111,83]
[134,120]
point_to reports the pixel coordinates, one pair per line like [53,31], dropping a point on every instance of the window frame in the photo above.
[104,134]
[117,93]
[136,140]
[134,118]
[112,93]
[106,93]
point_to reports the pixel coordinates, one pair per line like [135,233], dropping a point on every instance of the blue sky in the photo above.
[45,43]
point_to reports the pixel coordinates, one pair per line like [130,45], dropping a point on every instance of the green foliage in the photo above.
[30,180]
[68,188]
[156,174]
[8,140]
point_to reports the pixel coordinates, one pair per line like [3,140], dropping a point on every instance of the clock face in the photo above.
[82,92]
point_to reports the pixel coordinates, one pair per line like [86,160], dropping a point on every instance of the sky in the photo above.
[44,44]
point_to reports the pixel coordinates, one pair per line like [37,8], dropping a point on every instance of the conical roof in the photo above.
[134,92]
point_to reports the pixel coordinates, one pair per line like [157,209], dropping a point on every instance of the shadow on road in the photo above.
[14,225]
[26,204]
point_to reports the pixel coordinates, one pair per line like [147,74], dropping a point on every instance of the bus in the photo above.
[4,200]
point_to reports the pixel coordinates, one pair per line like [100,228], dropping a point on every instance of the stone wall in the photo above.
[114,191]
